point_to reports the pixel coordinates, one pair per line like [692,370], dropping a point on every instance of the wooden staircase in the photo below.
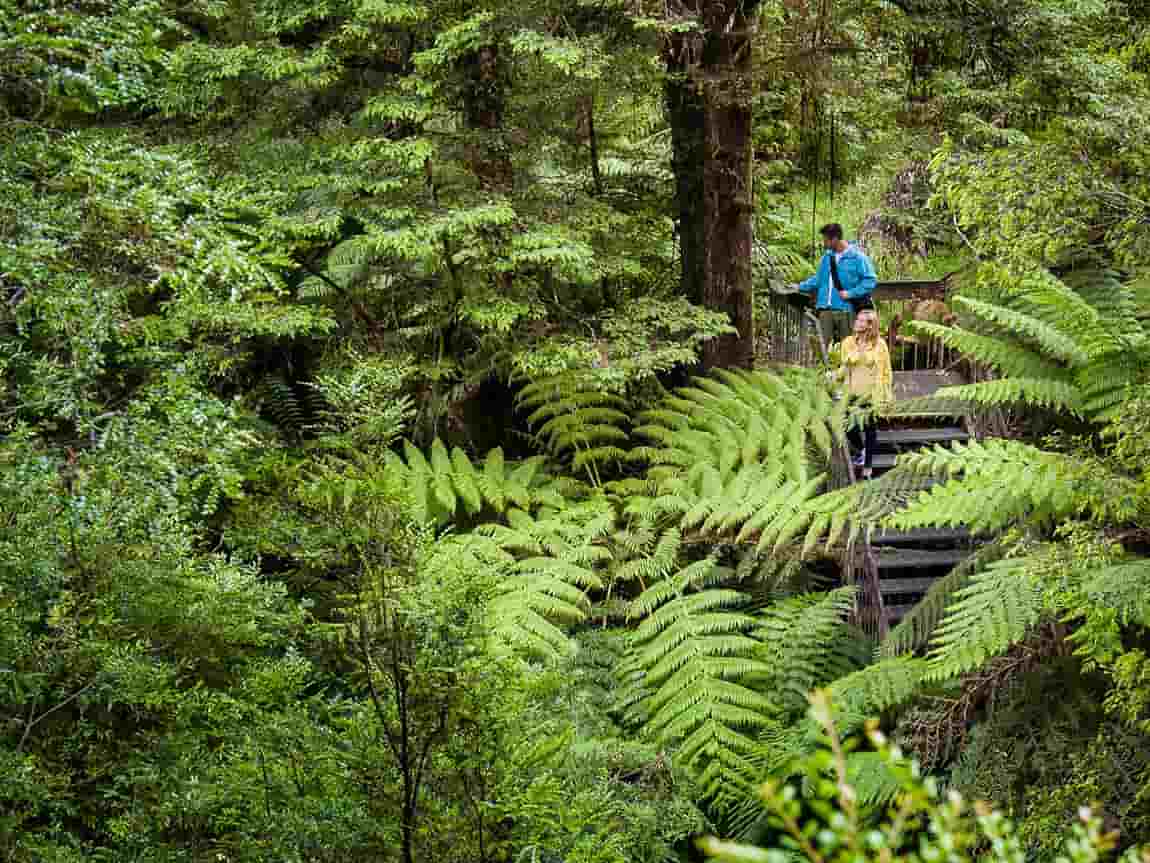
[907,563]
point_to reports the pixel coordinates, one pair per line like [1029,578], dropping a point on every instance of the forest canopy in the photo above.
[397,463]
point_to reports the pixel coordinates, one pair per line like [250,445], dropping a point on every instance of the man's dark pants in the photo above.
[835,326]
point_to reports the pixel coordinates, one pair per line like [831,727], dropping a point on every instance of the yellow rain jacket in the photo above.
[866,370]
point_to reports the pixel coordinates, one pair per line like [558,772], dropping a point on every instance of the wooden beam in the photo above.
[921,289]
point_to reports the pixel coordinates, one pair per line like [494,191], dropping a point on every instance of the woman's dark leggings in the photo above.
[865,439]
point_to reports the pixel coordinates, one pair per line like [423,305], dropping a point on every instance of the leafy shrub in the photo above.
[822,821]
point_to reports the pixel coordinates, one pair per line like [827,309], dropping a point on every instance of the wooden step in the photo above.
[895,586]
[919,483]
[927,408]
[920,535]
[908,485]
[919,559]
[895,613]
[881,461]
[908,437]
[923,383]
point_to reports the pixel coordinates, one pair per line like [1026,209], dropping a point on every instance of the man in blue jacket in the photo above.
[842,286]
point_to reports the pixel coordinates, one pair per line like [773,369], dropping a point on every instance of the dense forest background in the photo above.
[348,509]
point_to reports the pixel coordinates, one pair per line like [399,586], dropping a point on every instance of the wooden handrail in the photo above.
[897,289]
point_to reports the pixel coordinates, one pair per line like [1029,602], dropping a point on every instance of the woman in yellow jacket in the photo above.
[865,368]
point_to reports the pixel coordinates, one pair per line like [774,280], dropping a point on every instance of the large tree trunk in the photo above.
[728,203]
[483,108]
[684,101]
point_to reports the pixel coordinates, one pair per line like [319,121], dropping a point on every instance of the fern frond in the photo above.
[1004,482]
[492,480]
[875,784]
[855,698]
[917,626]
[445,485]
[1008,357]
[806,643]
[1036,392]
[1123,588]
[870,691]
[279,401]
[556,563]
[655,566]
[577,418]
[695,653]
[1070,344]
[420,478]
[1048,337]
[441,470]
[991,615]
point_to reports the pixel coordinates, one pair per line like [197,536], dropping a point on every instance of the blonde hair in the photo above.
[872,333]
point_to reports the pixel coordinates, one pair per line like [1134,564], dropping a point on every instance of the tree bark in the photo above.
[483,109]
[684,103]
[593,143]
[728,203]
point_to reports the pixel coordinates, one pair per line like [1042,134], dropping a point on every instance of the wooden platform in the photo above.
[896,438]
[920,558]
[923,384]
[914,394]
[919,536]
[912,289]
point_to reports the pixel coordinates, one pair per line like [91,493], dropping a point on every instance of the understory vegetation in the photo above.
[394,465]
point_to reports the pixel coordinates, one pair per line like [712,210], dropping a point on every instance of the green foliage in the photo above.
[555,563]
[732,456]
[1048,746]
[576,418]
[1073,346]
[995,612]
[916,627]
[345,510]
[806,646]
[696,657]
[830,822]
[445,486]
[599,794]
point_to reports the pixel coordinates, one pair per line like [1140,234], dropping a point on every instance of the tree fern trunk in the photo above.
[728,203]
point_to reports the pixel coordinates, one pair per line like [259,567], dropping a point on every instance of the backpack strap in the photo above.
[838,286]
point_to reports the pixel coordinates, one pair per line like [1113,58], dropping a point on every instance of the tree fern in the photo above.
[1123,588]
[996,611]
[577,418]
[1008,357]
[855,698]
[655,556]
[733,455]
[554,563]
[1070,344]
[917,626]
[279,401]
[444,485]
[841,518]
[858,696]
[694,653]
[1007,482]
[1048,338]
[870,691]
[875,784]
[807,643]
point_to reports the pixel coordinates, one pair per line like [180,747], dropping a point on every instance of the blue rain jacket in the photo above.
[856,273]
